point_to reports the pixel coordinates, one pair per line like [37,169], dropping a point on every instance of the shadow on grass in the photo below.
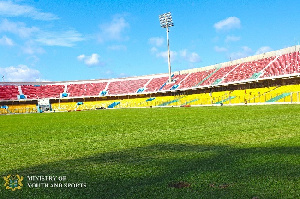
[148,172]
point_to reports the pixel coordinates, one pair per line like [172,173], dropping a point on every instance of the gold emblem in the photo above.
[13,182]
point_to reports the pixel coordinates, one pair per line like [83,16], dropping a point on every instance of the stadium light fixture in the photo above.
[166,22]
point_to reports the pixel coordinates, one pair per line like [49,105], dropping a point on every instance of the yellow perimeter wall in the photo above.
[290,93]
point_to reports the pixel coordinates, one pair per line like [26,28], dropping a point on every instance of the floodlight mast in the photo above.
[166,22]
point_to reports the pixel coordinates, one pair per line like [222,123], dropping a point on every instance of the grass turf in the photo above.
[217,152]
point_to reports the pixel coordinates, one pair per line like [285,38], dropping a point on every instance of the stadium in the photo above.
[269,78]
[272,77]
[227,130]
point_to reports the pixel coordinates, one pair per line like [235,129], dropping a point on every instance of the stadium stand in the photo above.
[194,78]
[126,86]
[283,65]
[9,92]
[247,70]
[218,75]
[42,91]
[272,77]
[176,79]
[85,89]
[156,83]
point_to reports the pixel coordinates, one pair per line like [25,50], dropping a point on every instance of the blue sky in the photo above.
[61,40]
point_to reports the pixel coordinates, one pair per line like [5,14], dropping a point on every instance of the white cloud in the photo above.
[153,50]
[220,49]
[229,23]
[62,38]
[109,72]
[90,60]
[164,55]
[263,49]
[31,48]
[42,80]
[81,57]
[117,47]
[245,52]
[192,57]
[17,28]
[33,60]
[156,41]
[232,38]
[10,9]
[114,30]
[20,73]
[65,38]
[6,41]
[121,75]
[183,53]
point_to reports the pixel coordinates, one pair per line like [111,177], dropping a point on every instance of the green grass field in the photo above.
[217,152]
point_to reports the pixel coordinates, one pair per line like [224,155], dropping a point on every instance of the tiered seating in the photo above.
[156,83]
[176,79]
[194,78]
[86,89]
[42,91]
[246,70]
[218,75]
[237,74]
[9,92]
[260,65]
[126,86]
[289,60]
[283,65]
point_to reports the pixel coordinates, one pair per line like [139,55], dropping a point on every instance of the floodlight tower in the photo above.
[166,22]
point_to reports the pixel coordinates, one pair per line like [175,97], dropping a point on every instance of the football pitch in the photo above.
[192,152]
